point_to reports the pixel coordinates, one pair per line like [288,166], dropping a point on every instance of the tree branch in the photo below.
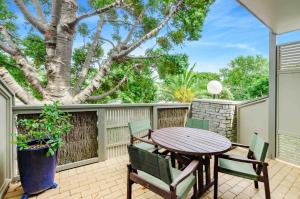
[22,94]
[11,48]
[142,57]
[138,20]
[95,84]
[55,12]
[116,4]
[6,48]
[31,19]
[84,71]
[109,41]
[150,34]
[39,11]
[114,89]
[119,22]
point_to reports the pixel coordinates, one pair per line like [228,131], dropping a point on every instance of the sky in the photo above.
[229,31]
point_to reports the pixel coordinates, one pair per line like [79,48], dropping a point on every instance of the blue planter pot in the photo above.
[37,170]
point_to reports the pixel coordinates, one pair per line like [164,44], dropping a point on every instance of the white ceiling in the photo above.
[280,16]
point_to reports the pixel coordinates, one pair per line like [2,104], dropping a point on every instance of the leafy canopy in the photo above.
[185,25]
[247,77]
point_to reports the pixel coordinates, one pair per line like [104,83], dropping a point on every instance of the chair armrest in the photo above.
[240,159]
[240,145]
[144,140]
[143,136]
[185,173]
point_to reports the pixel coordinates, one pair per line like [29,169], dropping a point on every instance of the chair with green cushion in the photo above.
[154,172]
[249,167]
[196,123]
[136,128]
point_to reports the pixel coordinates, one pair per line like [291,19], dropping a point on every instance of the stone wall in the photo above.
[222,115]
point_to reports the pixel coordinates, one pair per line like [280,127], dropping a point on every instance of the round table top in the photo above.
[191,141]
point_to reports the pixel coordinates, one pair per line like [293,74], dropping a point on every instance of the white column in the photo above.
[272,94]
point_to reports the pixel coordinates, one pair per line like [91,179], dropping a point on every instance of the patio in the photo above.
[92,163]
[107,180]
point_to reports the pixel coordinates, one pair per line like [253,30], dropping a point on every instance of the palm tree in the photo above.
[180,88]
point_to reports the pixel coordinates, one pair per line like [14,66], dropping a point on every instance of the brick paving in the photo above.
[107,180]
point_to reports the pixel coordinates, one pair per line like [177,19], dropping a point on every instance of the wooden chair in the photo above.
[136,128]
[154,172]
[249,168]
[196,123]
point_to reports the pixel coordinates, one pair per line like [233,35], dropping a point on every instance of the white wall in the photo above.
[5,129]
[253,117]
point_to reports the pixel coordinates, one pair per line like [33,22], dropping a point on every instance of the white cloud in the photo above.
[242,46]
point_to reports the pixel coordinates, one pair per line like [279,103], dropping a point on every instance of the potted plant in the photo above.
[37,146]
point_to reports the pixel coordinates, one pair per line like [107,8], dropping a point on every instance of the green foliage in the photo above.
[48,129]
[34,47]
[259,87]
[164,43]
[246,77]
[168,64]
[139,88]
[180,88]
[7,17]
[83,29]
[149,23]
[78,58]
[18,75]
[226,94]
[186,25]
[190,19]
[202,80]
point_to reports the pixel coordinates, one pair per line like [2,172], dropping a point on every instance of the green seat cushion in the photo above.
[146,146]
[182,189]
[240,169]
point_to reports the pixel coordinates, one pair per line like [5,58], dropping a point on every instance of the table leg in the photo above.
[203,187]
[207,170]
[200,177]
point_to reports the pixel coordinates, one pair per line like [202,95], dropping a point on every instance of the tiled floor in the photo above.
[107,180]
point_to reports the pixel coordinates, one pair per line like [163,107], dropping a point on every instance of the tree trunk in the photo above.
[59,61]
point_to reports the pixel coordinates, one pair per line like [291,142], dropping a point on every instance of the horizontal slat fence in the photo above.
[101,132]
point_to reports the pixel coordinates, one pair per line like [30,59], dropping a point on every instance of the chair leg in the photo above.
[266,182]
[173,163]
[180,165]
[129,183]
[216,178]
[129,189]
[173,194]
[195,188]
[256,184]
[195,192]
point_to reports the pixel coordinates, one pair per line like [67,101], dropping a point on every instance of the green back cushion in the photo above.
[259,147]
[151,163]
[196,123]
[139,126]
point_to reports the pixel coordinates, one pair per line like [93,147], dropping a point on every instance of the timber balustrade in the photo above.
[101,132]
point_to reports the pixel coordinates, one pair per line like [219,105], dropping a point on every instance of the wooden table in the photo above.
[196,143]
